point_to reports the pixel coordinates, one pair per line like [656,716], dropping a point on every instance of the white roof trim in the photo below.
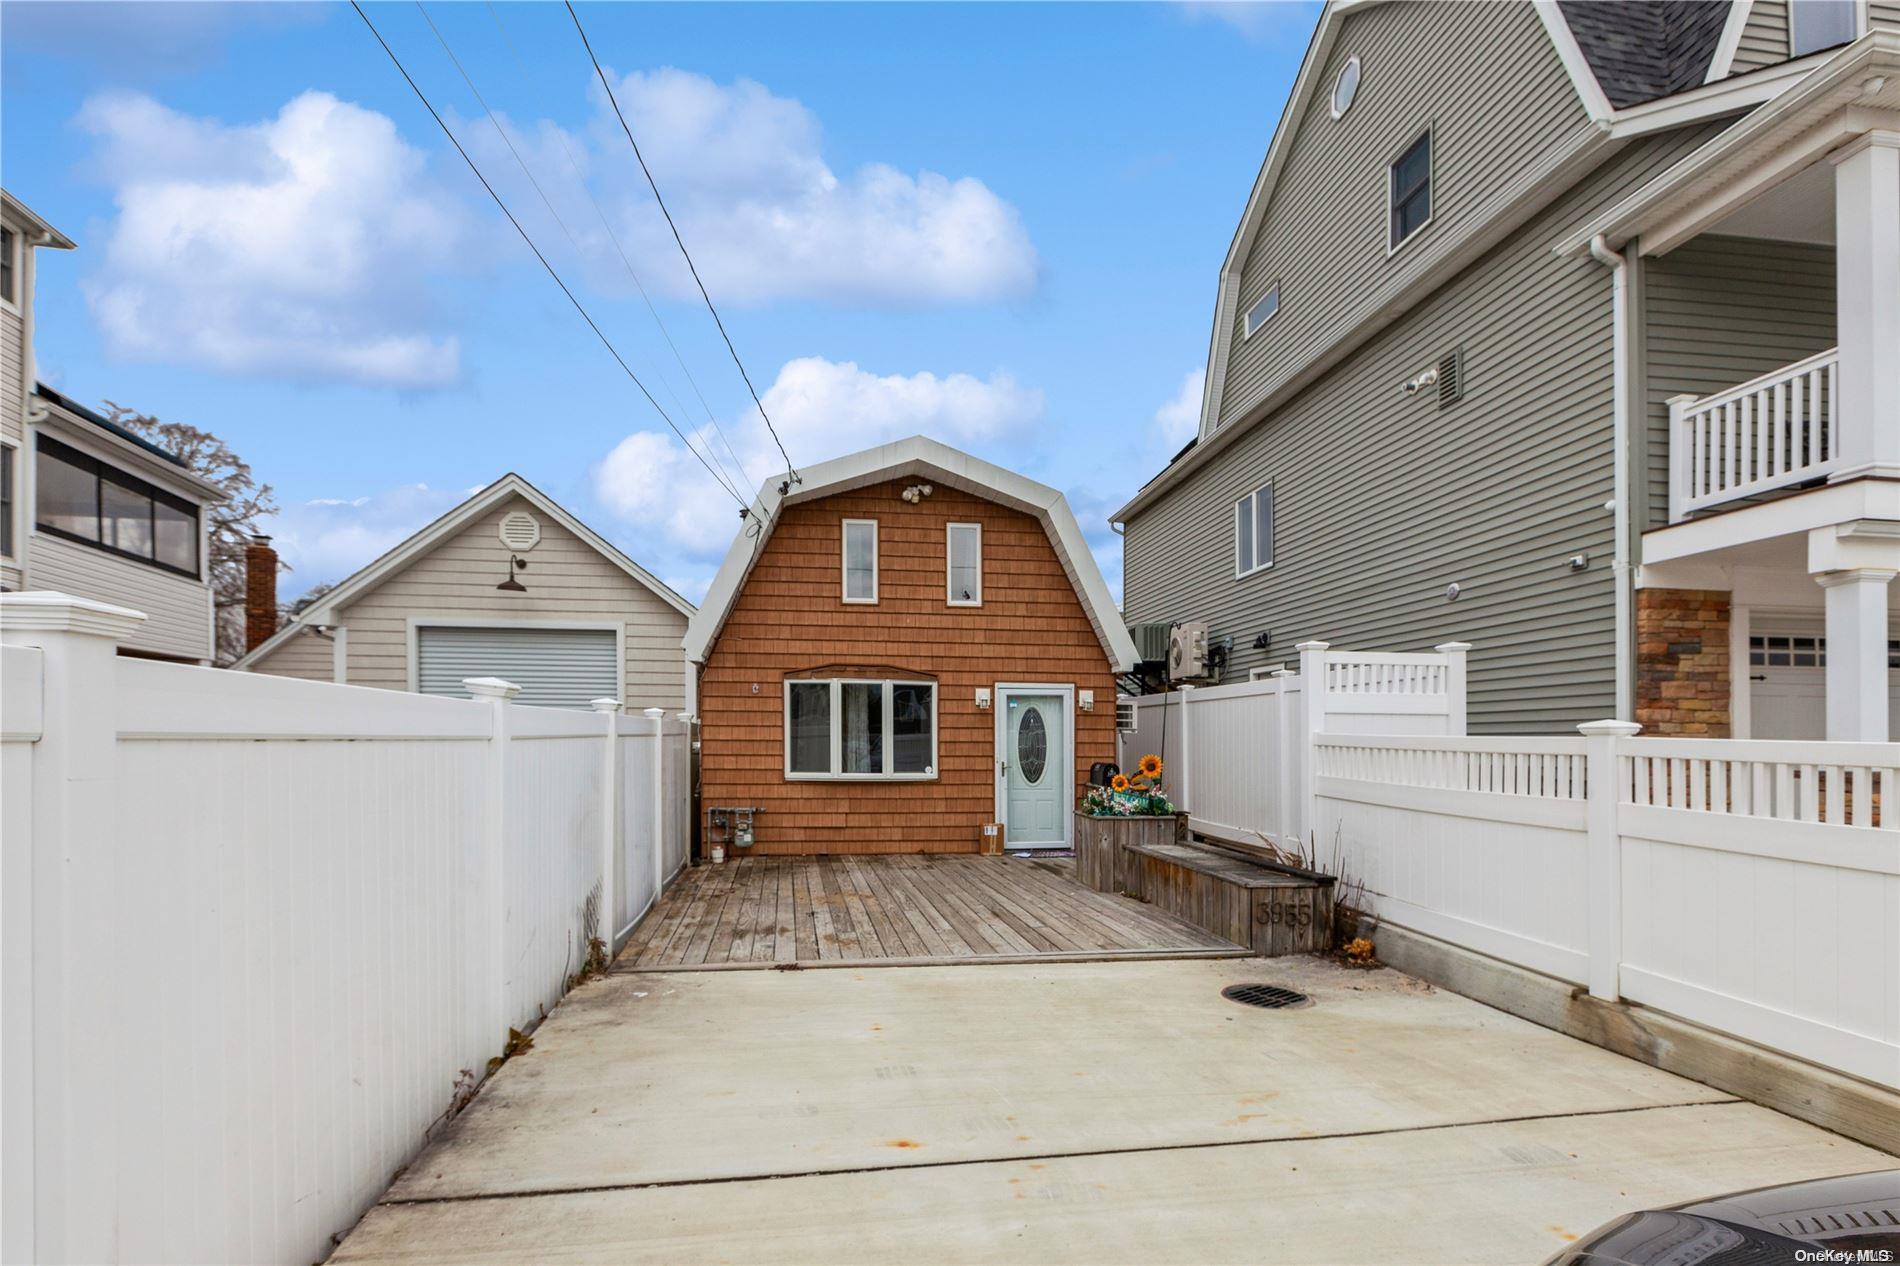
[323,611]
[1724,60]
[1596,102]
[81,432]
[951,468]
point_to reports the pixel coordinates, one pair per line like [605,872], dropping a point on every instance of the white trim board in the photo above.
[325,611]
[943,465]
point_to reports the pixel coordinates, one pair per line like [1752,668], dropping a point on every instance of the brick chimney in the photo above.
[260,592]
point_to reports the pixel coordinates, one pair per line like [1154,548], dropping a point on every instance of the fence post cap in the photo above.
[1450,648]
[50,612]
[683,716]
[604,705]
[493,689]
[1611,729]
[1312,646]
[655,713]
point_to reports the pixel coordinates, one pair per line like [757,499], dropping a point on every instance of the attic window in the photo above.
[1346,87]
[1262,310]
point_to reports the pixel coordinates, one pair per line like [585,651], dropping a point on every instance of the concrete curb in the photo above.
[1846,1105]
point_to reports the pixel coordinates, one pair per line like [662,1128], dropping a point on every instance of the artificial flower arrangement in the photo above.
[1131,796]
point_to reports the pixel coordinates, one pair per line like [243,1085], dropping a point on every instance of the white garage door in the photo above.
[555,668]
[1787,674]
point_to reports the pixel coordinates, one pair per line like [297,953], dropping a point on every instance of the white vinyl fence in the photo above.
[1752,887]
[255,929]
[1236,755]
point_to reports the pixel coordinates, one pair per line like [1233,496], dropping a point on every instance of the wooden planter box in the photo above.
[1102,844]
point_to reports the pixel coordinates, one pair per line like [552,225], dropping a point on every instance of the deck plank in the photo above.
[760,912]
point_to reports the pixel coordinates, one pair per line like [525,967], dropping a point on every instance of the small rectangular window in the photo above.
[1410,183]
[6,501]
[9,274]
[860,560]
[1253,531]
[845,729]
[963,549]
[1818,24]
[1263,309]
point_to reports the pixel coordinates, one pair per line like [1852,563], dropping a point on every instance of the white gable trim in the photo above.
[1595,102]
[324,611]
[943,465]
[1724,60]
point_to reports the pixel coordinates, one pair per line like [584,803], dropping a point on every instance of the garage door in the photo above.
[555,667]
[1787,674]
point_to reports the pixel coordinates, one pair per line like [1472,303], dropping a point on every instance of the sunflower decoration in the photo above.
[1132,795]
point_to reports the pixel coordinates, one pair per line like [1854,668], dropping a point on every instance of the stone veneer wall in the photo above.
[1682,662]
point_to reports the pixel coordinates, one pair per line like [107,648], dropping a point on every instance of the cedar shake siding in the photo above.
[788,620]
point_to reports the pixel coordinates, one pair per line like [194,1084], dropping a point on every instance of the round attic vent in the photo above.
[520,531]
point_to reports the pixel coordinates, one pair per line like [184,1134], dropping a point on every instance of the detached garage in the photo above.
[508,584]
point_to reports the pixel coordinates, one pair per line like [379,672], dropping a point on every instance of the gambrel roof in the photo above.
[940,464]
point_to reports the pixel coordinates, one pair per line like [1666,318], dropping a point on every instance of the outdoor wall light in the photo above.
[511,585]
[1086,701]
[1262,641]
[1452,591]
[983,698]
[917,492]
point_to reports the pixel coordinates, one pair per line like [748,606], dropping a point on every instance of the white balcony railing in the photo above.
[1774,432]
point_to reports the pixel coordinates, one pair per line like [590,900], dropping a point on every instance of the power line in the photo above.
[615,102]
[585,316]
[627,263]
[740,481]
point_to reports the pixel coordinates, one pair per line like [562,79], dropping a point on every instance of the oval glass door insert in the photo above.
[1032,745]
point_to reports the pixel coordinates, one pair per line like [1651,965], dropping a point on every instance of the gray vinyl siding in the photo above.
[12,426]
[1323,237]
[567,580]
[1883,15]
[1764,37]
[1384,500]
[1719,311]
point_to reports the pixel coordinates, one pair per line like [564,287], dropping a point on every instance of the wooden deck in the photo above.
[842,910]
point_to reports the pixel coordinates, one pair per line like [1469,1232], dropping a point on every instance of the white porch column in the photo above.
[1867,288]
[1857,654]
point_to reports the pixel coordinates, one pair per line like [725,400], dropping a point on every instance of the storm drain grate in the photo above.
[1272,997]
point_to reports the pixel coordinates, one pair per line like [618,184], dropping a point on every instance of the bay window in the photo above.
[860,728]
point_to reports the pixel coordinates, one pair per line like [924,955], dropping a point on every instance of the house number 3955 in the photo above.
[1280,913]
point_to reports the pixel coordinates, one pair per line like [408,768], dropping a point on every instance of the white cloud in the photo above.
[822,409]
[764,215]
[1177,421]
[301,246]
[327,539]
[1258,20]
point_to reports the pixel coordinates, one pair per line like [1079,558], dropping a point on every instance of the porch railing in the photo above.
[1773,432]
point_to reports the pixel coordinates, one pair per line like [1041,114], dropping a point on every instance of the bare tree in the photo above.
[230,526]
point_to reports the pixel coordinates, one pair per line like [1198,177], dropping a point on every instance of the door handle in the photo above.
[1758,676]
[1002,768]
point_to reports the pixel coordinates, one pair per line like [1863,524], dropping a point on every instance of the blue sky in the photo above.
[997,224]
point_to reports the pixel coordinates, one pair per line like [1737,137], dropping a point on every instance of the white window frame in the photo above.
[1250,500]
[1249,326]
[16,302]
[1332,98]
[1430,136]
[844,561]
[949,565]
[837,684]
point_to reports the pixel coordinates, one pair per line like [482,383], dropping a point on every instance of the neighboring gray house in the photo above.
[86,507]
[1570,330]
[507,584]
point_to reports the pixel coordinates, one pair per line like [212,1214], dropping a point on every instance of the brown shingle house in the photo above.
[913,643]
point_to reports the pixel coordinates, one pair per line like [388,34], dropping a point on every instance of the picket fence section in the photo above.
[1749,886]
[257,930]
[1237,756]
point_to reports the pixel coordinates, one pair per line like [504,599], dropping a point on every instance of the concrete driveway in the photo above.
[1077,1112]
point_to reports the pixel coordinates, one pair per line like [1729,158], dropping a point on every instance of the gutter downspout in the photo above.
[1620,570]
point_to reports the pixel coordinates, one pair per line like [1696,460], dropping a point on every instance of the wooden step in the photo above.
[1272,911]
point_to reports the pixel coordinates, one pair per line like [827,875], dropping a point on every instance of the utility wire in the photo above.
[740,481]
[607,226]
[585,316]
[790,470]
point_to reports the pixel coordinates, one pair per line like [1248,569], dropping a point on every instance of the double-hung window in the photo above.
[6,501]
[81,498]
[1410,185]
[852,728]
[9,267]
[860,560]
[963,563]
[1253,531]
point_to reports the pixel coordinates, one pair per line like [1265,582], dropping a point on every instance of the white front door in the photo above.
[1034,766]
